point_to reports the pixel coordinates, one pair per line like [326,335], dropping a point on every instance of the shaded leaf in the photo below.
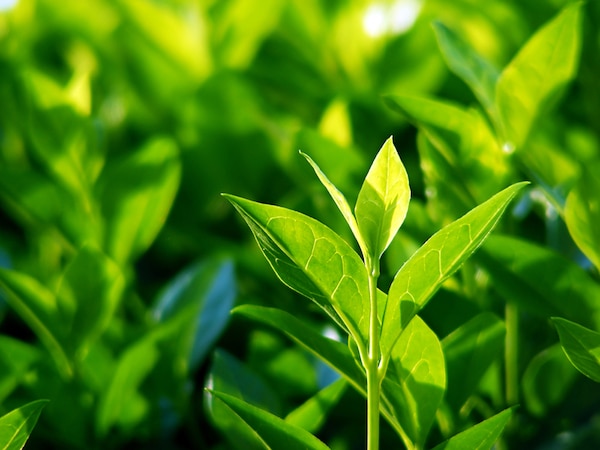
[469,352]
[479,437]
[421,276]
[538,74]
[311,259]
[581,345]
[17,425]
[275,432]
[415,381]
[382,200]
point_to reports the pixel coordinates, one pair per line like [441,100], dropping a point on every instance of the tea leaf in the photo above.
[479,437]
[469,352]
[474,70]
[17,425]
[274,431]
[313,260]
[581,345]
[421,276]
[582,212]
[538,74]
[415,381]
[382,200]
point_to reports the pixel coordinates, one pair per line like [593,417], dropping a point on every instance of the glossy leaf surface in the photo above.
[17,425]
[311,259]
[420,277]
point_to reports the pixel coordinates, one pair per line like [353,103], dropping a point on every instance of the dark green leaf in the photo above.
[581,345]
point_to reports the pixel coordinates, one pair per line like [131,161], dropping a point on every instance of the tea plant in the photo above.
[393,358]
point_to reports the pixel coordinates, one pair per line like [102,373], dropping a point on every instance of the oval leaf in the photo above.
[581,345]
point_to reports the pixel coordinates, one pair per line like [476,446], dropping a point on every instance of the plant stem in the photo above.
[372,366]
[511,353]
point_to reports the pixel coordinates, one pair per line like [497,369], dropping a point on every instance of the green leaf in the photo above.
[17,425]
[470,351]
[547,381]
[538,74]
[539,280]
[16,359]
[88,296]
[38,308]
[474,70]
[312,260]
[582,212]
[136,196]
[312,414]
[415,381]
[341,202]
[274,431]
[421,276]
[581,345]
[205,293]
[479,437]
[383,200]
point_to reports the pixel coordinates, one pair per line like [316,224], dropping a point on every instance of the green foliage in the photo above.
[17,425]
[133,300]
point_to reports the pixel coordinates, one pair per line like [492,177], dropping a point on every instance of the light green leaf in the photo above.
[17,425]
[581,345]
[415,381]
[274,431]
[539,280]
[313,260]
[421,276]
[88,296]
[474,70]
[37,306]
[538,74]
[383,200]
[479,437]
[582,212]
[136,195]
[312,414]
[341,202]
[470,351]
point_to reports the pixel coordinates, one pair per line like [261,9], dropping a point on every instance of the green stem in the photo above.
[372,366]
[511,353]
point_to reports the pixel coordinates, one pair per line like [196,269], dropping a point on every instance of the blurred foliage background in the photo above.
[122,121]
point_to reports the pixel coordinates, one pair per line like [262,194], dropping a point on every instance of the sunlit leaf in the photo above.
[311,259]
[383,200]
[274,431]
[478,437]
[421,276]
[538,74]
[582,212]
[581,345]
[17,425]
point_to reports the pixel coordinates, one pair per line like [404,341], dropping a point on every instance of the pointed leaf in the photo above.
[275,432]
[582,212]
[581,345]
[479,437]
[341,203]
[313,260]
[312,414]
[383,200]
[470,350]
[538,74]
[17,425]
[474,70]
[421,276]
[415,381]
